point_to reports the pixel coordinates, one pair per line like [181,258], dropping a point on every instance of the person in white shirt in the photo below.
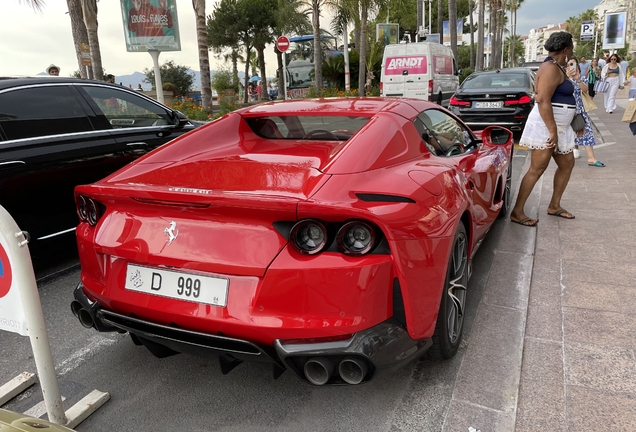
[632,84]
[614,75]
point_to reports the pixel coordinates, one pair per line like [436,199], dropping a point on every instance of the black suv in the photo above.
[56,133]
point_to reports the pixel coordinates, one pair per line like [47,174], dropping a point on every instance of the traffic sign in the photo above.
[587,30]
[282,43]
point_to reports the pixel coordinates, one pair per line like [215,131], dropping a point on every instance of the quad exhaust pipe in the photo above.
[319,370]
[82,314]
[352,370]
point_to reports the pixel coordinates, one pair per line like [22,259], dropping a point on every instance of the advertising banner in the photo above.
[387,33]
[150,25]
[614,31]
[446,30]
[415,64]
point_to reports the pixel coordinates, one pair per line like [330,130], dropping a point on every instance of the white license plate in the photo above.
[488,104]
[177,285]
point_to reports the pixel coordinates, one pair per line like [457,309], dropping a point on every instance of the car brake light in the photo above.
[89,210]
[523,100]
[308,237]
[430,90]
[455,101]
[381,88]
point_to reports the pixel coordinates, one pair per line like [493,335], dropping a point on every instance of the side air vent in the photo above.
[384,198]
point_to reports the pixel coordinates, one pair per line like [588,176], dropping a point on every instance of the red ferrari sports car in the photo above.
[332,237]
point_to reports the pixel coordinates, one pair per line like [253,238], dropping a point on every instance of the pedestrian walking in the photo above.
[613,74]
[593,74]
[110,78]
[585,66]
[632,84]
[548,132]
[586,140]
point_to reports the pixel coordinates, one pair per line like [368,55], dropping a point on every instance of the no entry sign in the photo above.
[282,43]
[5,273]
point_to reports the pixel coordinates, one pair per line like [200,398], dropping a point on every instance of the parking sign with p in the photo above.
[587,30]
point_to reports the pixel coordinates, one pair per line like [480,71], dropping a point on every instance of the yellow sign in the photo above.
[85,51]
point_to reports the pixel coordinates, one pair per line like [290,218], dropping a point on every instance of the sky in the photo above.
[30,41]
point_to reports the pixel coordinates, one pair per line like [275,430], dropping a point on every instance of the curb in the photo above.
[486,390]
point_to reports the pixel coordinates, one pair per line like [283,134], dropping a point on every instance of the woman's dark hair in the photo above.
[558,41]
[618,58]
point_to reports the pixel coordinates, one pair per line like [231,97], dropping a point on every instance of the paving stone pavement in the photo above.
[578,370]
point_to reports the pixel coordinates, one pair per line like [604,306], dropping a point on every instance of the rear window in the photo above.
[495,80]
[323,128]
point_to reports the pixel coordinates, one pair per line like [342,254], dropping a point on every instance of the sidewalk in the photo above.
[578,369]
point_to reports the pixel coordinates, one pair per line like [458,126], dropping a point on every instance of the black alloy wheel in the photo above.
[450,319]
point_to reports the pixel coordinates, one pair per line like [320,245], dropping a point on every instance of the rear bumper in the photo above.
[382,347]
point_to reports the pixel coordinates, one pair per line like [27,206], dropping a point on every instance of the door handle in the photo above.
[141,143]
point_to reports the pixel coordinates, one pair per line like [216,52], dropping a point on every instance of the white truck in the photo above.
[421,70]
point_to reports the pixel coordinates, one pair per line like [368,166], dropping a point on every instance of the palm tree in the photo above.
[452,25]
[89,11]
[80,36]
[204,59]
[480,36]
[35,4]
[315,21]
[472,34]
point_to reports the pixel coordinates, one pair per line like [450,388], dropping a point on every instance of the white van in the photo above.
[421,70]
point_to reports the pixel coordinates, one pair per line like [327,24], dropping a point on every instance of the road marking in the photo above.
[38,409]
[80,355]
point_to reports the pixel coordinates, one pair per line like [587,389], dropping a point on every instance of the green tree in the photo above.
[223,80]
[513,46]
[180,76]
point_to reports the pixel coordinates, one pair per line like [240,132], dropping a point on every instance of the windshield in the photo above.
[323,128]
[495,80]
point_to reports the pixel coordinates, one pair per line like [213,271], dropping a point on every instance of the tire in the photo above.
[439,99]
[507,193]
[450,319]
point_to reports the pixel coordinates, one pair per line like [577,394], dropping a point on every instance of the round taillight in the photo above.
[81,208]
[356,238]
[92,212]
[309,237]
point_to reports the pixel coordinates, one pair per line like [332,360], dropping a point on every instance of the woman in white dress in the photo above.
[547,131]
[614,75]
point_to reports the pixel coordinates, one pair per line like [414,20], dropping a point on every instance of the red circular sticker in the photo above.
[5,273]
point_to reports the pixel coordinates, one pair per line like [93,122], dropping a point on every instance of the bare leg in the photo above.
[565,163]
[539,160]
[590,154]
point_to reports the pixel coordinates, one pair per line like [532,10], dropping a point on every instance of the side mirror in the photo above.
[458,72]
[180,119]
[496,135]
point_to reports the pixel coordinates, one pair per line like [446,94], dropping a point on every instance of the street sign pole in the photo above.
[17,274]
[158,83]
[282,44]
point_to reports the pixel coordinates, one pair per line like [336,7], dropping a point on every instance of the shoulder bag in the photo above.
[601,86]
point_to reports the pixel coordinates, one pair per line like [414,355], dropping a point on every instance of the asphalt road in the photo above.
[186,393]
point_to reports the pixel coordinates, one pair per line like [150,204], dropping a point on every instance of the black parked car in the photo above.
[500,97]
[56,133]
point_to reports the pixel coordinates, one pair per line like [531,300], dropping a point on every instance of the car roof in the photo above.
[7,82]
[495,72]
[367,107]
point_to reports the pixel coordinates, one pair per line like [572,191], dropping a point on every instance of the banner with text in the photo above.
[614,31]
[150,25]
